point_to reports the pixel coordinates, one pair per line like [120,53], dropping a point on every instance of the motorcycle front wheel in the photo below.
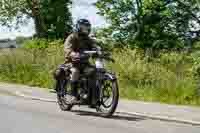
[109,97]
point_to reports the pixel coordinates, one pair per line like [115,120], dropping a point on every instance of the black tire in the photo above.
[61,98]
[114,103]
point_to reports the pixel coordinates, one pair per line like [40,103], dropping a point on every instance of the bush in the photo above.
[31,66]
[169,79]
[41,43]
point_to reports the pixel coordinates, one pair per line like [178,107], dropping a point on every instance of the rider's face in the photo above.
[85,29]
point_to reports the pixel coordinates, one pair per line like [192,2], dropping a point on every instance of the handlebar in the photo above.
[90,52]
[99,54]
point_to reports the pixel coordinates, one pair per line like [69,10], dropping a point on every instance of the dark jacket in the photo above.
[76,42]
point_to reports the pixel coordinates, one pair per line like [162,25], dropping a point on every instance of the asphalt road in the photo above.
[19,115]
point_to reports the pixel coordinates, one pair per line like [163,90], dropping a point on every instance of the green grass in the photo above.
[30,66]
[168,79]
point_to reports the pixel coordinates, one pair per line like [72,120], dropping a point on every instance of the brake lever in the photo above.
[112,60]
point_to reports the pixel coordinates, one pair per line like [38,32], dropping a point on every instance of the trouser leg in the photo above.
[75,73]
[92,87]
[90,71]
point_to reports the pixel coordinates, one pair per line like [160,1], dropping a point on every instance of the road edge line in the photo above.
[34,98]
[162,118]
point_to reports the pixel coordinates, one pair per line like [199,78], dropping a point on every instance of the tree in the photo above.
[187,19]
[57,17]
[48,15]
[151,23]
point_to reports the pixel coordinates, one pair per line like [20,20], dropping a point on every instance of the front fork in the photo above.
[61,87]
[99,83]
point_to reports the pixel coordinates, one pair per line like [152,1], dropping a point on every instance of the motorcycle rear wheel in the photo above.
[61,87]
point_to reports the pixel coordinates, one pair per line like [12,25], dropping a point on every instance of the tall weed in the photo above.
[168,79]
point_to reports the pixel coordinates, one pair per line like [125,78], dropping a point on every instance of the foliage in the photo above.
[167,79]
[136,26]
[33,65]
[40,43]
[20,40]
[52,18]
[151,23]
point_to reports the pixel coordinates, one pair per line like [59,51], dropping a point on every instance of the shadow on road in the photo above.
[116,116]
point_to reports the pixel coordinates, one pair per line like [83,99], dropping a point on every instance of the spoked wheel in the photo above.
[109,98]
[62,86]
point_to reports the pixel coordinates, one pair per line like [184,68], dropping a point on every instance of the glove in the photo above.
[75,56]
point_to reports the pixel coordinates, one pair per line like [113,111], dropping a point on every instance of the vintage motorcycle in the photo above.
[106,87]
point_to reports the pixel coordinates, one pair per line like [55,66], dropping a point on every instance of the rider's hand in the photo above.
[75,56]
[98,49]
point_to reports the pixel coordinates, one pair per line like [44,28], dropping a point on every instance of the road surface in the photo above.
[19,115]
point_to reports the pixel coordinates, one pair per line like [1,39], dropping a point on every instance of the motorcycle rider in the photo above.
[74,45]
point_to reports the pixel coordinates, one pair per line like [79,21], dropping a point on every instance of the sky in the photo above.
[80,9]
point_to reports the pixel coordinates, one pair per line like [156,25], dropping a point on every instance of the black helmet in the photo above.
[81,24]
